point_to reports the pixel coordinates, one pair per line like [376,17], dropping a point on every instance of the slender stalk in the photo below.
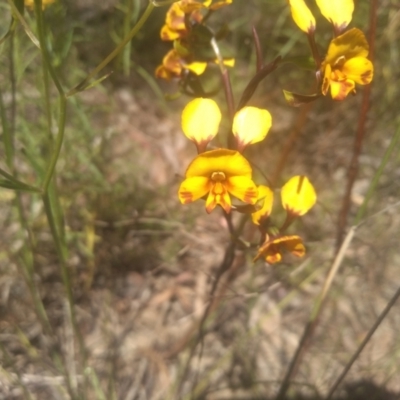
[126,56]
[257,47]
[225,79]
[49,196]
[8,139]
[314,50]
[358,141]
[115,52]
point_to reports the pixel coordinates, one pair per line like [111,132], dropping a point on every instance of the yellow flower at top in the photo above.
[217,174]
[200,122]
[337,12]
[201,119]
[346,64]
[45,3]
[175,23]
[302,16]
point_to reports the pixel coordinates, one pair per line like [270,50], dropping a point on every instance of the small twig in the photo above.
[358,141]
[257,47]
[256,80]
[374,327]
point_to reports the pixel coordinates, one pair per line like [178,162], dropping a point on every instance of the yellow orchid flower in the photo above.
[298,195]
[266,195]
[274,246]
[346,64]
[200,121]
[302,16]
[218,174]
[45,3]
[250,125]
[175,26]
[174,65]
[337,12]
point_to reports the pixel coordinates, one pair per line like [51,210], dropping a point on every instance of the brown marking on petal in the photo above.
[250,196]
[343,92]
[311,28]
[299,186]
[339,28]
[366,77]
[187,197]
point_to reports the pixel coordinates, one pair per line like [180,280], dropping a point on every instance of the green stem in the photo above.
[115,52]
[49,196]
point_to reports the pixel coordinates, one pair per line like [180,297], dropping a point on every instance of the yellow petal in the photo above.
[163,73]
[229,62]
[196,67]
[200,121]
[295,245]
[359,69]
[175,18]
[250,125]
[229,162]
[338,12]
[45,3]
[266,195]
[350,44]
[243,188]
[194,188]
[218,4]
[172,62]
[168,34]
[189,6]
[341,89]
[327,79]
[272,249]
[302,16]
[298,195]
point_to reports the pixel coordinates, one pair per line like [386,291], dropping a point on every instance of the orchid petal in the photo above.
[302,16]
[250,125]
[298,195]
[200,121]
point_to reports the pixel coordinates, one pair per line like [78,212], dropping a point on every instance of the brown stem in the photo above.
[255,81]
[354,163]
[257,47]
[314,50]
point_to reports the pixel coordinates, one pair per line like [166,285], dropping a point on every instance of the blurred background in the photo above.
[141,265]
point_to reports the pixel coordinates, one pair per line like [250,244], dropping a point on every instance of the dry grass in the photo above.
[143,265]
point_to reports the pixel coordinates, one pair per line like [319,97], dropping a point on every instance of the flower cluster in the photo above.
[221,174]
[184,26]
[346,63]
